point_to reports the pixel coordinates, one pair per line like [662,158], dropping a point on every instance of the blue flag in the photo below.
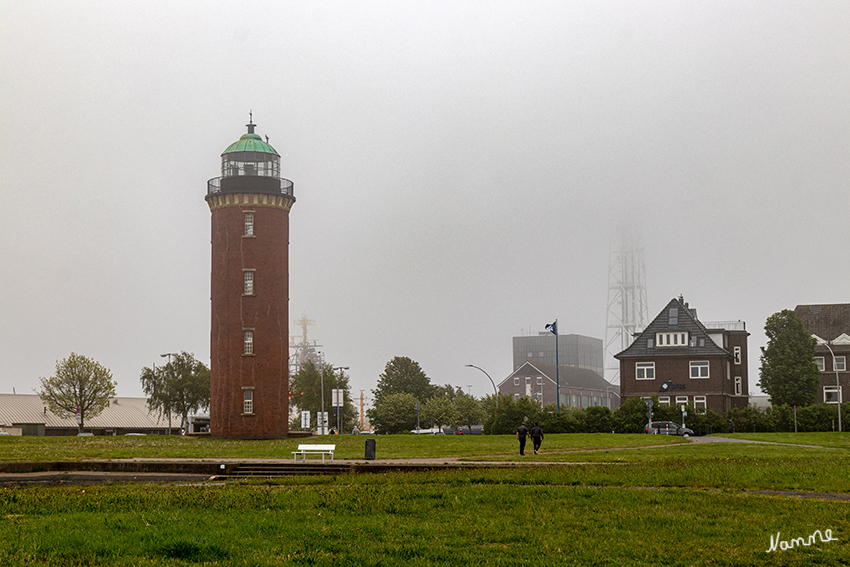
[553,328]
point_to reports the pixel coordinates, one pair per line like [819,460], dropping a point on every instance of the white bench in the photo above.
[314,449]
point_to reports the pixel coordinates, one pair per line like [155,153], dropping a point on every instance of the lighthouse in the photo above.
[249,338]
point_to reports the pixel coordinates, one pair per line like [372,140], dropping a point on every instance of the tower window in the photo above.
[738,386]
[737,351]
[249,224]
[249,282]
[248,400]
[248,342]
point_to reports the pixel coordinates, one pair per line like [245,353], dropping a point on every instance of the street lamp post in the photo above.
[340,399]
[167,407]
[495,391]
[837,383]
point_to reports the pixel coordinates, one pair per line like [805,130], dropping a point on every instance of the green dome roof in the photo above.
[250,142]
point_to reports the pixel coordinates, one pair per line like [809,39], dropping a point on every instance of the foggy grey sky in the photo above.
[460,168]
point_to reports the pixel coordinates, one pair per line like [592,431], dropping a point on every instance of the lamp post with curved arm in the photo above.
[837,383]
[491,381]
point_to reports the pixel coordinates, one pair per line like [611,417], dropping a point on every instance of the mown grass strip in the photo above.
[348,446]
[454,518]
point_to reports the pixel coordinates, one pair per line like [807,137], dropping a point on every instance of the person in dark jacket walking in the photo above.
[521,434]
[536,437]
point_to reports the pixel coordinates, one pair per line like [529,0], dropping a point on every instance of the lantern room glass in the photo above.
[260,164]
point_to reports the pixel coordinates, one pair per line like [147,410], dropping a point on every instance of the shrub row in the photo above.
[631,417]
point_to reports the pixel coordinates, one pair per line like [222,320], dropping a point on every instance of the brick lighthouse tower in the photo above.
[249,340]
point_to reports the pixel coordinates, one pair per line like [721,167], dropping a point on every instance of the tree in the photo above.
[395,413]
[403,375]
[469,411]
[306,390]
[80,385]
[441,410]
[182,386]
[788,371]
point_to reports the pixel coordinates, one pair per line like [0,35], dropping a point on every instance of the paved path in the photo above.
[714,439]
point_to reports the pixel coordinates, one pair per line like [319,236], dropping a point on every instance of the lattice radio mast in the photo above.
[628,310]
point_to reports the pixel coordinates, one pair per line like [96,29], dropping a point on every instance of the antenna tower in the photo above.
[303,349]
[628,311]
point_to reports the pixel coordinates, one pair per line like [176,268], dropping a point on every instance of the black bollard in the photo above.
[370,449]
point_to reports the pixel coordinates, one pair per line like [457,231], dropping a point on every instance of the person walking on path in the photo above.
[536,437]
[521,433]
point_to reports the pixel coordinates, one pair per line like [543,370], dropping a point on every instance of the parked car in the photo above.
[667,428]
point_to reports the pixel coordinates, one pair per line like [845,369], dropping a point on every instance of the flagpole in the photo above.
[553,328]
[557,369]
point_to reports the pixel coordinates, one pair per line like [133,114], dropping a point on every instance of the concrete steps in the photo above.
[271,470]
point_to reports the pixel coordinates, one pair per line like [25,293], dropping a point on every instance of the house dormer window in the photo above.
[671,339]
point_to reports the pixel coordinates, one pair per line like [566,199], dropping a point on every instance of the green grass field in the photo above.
[348,446]
[678,504]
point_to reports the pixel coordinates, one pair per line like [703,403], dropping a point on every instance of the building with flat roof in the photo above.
[577,351]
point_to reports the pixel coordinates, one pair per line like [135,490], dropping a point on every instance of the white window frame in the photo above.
[664,401]
[248,342]
[737,351]
[739,385]
[540,380]
[840,364]
[681,400]
[700,404]
[821,364]
[516,380]
[248,282]
[249,223]
[702,369]
[248,401]
[647,368]
[832,390]
[671,339]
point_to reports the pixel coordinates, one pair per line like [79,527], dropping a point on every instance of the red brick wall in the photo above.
[266,312]
[717,388]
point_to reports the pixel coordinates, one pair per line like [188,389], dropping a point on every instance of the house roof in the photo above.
[686,321]
[826,321]
[568,376]
[125,413]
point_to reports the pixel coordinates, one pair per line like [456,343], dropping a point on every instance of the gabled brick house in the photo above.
[580,387]
[829,324]
[686,362]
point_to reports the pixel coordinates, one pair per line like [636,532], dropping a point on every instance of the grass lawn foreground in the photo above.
[677,504]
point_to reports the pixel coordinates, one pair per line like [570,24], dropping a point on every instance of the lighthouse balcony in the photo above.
[250,184]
